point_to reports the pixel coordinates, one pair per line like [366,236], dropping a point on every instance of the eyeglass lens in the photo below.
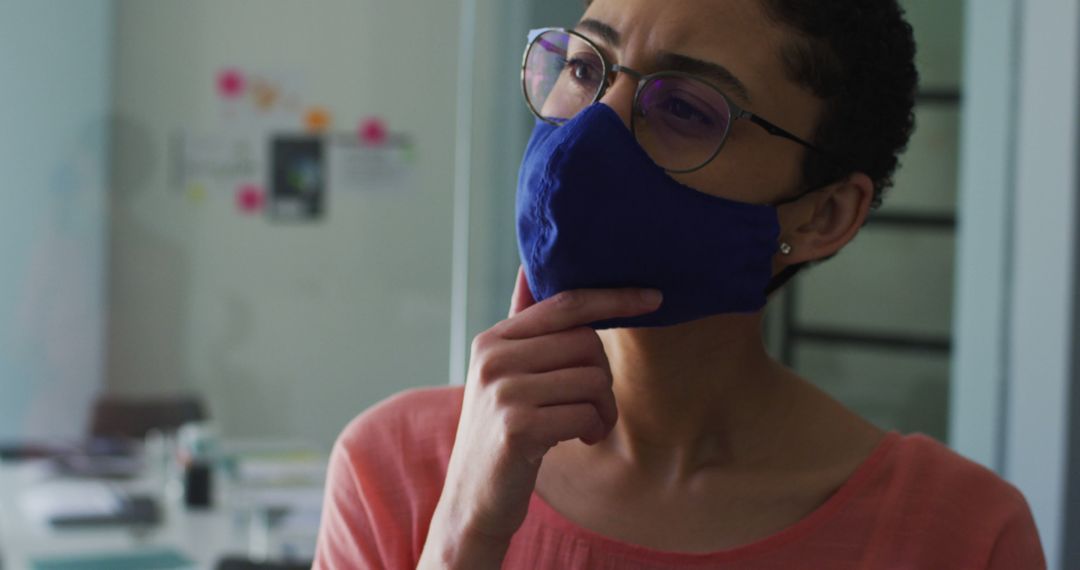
[681,122]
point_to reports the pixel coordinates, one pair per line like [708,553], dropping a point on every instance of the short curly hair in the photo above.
[859,57]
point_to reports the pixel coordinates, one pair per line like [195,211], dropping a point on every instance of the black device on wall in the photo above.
[297,178]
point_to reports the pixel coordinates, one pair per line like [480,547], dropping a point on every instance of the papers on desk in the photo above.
[86,503]
[280,466]
[45,501]
[289,478]
[293,498]
[284,484]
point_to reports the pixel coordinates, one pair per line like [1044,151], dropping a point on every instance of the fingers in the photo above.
[579,346]
[522,297]
[578,308]
[572,421]
[533,433]
[584,385]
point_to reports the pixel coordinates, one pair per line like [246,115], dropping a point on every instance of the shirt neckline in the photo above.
[547,515]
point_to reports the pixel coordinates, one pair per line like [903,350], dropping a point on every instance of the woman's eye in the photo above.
[683,110]
[582,71]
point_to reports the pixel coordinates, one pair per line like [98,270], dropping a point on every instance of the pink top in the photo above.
[912,504]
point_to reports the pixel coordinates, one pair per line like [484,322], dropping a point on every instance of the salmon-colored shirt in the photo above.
[912,504]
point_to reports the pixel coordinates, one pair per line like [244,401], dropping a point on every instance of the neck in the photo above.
[702,394]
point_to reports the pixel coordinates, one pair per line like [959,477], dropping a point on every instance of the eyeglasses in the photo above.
[680,119]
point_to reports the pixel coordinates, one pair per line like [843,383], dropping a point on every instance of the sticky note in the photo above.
[265,93]
[196,192]
[317,119]
[230,83]
[250,198]
[372,131]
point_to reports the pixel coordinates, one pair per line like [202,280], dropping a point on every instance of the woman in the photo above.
[689,157]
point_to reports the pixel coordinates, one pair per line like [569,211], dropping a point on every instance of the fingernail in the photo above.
[651,296]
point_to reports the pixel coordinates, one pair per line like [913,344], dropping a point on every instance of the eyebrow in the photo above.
[606,32]
[675,62]
[709,70]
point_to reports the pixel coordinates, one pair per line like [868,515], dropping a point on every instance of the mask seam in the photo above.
[557,159]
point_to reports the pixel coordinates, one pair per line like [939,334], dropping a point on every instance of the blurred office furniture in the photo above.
[143,560]
[245,564]
[267,501]
[119,417]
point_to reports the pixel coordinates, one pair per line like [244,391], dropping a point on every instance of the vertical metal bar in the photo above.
[981,294]
[1071,554]
[459,268]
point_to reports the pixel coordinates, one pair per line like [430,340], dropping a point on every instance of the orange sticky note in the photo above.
[265,94]
[317,119]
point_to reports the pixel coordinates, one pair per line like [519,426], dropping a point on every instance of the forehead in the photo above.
[736,34]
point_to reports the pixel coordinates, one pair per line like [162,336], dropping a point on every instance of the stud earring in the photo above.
[785,248]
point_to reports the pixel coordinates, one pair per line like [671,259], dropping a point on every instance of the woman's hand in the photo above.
[535,379]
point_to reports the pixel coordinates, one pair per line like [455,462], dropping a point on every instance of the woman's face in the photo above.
[735,35]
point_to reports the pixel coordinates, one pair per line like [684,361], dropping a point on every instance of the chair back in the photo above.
[119,417]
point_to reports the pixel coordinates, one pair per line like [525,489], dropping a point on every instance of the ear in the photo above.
[821,223]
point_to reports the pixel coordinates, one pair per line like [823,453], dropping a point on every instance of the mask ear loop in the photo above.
[781,279]
[789,272]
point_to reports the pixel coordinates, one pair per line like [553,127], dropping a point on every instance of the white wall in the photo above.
[54,61]
[295,328]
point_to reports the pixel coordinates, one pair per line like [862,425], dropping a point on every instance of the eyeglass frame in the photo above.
[735,112]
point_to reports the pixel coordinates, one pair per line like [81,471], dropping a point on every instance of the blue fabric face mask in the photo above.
[594,211]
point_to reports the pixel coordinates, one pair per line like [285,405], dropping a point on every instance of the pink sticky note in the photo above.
[250,198]
[230,83]
[372,131]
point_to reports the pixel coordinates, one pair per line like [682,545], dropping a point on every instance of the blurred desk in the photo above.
[241,522]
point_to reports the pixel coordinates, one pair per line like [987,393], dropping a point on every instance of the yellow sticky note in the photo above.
[196,192]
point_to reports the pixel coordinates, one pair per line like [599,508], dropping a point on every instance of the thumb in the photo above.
[522,298]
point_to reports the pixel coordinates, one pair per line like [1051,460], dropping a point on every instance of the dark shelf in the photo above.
[913,220]
[865,338]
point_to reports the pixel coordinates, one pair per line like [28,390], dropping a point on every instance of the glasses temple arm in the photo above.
[778,132]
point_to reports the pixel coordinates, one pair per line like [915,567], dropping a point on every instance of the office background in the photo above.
[952,314]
